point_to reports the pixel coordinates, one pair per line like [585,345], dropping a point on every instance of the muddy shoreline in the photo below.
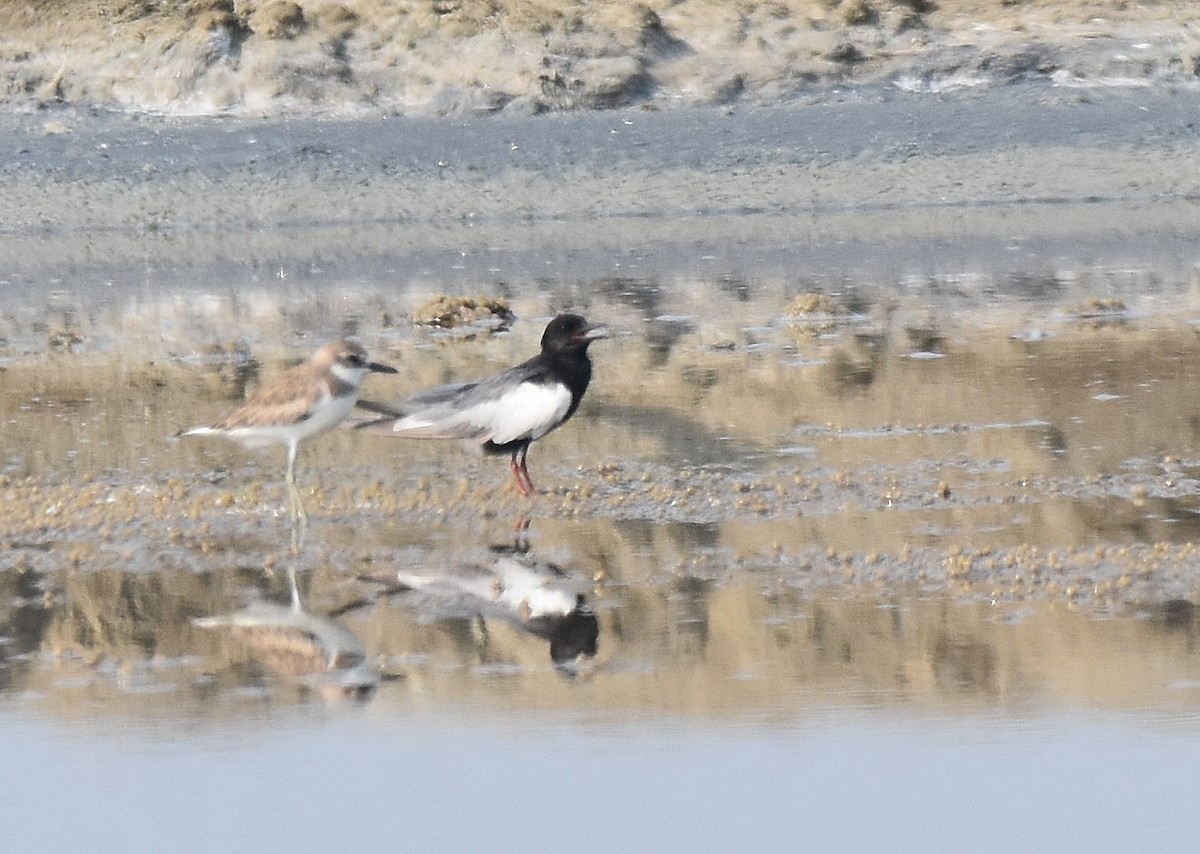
[1025,183]
[1011,280]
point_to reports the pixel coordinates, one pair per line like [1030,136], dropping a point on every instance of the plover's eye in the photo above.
[354,359]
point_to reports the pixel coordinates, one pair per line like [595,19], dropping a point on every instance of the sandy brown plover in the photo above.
[303,402]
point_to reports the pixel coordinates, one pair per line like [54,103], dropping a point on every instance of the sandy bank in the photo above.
[467,56]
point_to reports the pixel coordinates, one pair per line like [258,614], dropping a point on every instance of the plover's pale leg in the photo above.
[295,503]
[299,520]
[291,574]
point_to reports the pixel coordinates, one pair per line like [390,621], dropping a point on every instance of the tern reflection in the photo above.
[289,641]
[536,596]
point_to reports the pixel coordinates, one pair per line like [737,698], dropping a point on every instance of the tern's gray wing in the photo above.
[514,405]
[436,395]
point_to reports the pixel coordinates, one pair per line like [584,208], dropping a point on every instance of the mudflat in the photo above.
[888,328]
[1025,179]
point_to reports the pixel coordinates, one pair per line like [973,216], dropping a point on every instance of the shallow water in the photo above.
[438,782]
[880,527]
[809,596]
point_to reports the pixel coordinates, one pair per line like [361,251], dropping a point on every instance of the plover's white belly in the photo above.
[324,416]
[329,413]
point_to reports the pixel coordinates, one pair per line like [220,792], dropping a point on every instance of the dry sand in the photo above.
[423,57]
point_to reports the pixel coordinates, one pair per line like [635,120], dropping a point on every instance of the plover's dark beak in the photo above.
[377,368]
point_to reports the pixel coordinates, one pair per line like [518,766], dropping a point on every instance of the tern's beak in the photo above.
[593,331]
[376,367]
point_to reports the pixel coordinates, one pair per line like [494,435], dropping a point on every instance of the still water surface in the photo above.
[384,778]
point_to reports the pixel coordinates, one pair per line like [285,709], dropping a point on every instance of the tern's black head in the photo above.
[570,333]
[575,635]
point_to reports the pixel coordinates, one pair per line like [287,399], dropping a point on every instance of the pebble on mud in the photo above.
[812,315]
[447,312]
[230,369]
[1098,312]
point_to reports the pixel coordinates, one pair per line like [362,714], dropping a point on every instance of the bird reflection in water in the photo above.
[535,596]
[312,651]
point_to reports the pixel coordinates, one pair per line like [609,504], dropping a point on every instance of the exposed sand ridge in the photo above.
[462,56]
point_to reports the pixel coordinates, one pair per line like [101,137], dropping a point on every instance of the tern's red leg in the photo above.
[521,535]
[529,487]
[518,471]
[521,473]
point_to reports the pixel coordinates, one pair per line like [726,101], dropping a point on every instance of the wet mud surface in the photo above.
[773,473]
[893,398]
